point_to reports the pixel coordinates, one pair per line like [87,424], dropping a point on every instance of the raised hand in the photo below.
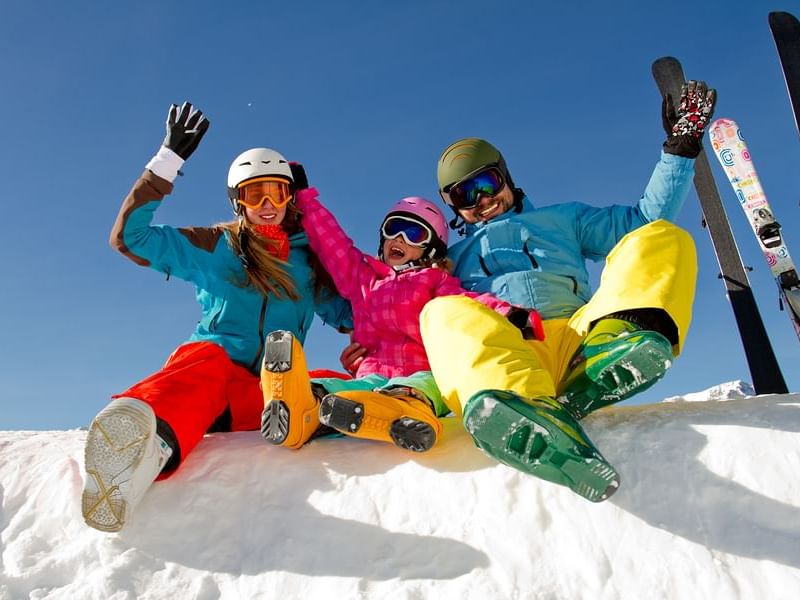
[186,126]
[686,125]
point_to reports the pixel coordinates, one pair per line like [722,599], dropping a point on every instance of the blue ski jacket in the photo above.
[234,317]
[536,258]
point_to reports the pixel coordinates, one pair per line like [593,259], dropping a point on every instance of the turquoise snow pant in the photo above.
[421,380]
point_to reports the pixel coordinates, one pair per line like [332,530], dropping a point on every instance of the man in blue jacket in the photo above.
[521,400]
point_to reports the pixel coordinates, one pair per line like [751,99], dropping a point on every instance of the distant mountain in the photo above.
[732,390]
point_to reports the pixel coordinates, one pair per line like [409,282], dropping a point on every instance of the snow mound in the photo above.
[709,508]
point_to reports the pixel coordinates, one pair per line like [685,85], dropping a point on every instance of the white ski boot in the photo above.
[123,456]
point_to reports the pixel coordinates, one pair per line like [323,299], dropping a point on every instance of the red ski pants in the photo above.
[196,385]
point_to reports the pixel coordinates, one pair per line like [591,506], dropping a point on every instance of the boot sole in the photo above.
[646,363]
[278,352]
[275,422]
[528,444]
[114,444]
[342,414]
[635,371]
[347,416]
[277,359]
[410,434]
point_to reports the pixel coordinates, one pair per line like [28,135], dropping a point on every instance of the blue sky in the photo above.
[366,95]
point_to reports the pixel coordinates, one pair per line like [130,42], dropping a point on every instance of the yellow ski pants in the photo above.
[472,348]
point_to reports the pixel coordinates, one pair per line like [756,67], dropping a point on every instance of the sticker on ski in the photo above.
[734,156]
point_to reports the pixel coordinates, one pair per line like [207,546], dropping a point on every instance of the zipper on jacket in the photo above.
[530,256]
[261,320]
[574,284]
[483,266]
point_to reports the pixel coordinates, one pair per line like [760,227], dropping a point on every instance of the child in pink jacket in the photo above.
[394,397]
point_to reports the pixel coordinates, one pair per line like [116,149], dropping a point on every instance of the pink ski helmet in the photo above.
[427,214]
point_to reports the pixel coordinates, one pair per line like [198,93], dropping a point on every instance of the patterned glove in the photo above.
[528,321]
[186,126]
[685,127]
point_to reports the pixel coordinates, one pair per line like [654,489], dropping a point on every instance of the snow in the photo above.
[709,507]
[732,390]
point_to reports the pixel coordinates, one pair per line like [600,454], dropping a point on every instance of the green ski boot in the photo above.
[539,437]
[616,360]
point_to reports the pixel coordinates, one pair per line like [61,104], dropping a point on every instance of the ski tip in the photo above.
[668,68]
[668,73]
[664,60]
[723,122]
[783,22]
[780,15]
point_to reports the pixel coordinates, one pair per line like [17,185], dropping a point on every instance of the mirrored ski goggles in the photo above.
[255,192]
[466,194]
[413,232]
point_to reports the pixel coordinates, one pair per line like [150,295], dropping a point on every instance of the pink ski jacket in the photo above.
[386,304]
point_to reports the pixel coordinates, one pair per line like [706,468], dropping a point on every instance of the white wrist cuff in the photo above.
[165,164]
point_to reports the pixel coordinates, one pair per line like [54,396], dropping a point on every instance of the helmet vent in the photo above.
[245,163]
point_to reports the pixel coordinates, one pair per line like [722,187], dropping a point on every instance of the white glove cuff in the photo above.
[165,164]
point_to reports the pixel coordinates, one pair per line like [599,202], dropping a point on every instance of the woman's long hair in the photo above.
[266,272]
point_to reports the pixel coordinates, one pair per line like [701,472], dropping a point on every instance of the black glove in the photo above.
[186,126]
[685,127]
[299,176]
[528,321]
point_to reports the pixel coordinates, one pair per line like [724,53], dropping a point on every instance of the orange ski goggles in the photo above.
[255,192]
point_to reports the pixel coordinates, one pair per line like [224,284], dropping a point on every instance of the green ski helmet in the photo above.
[465,158]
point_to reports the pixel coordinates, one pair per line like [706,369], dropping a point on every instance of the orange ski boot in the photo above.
[291,411]
[397,416]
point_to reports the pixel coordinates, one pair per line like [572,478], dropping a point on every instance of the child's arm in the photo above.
[345,263]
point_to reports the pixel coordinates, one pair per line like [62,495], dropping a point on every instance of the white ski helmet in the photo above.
[256,162]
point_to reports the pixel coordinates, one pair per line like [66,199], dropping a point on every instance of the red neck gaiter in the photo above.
[279,246]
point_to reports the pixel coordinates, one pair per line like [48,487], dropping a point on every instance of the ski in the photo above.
[761,360]
[786,32]
[734,156]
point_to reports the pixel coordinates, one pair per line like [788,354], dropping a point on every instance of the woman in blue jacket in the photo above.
[252,275]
